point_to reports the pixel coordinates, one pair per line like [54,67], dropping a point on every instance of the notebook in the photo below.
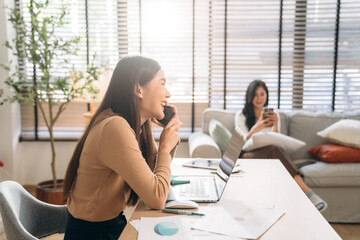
[210,189]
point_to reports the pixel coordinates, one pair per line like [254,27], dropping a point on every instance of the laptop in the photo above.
[210,189]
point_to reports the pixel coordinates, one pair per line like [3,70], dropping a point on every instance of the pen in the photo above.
[182,212]
[201,167]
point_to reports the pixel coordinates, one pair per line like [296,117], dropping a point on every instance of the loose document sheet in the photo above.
[233,220]
[187,220]
[174,227]
[237,219]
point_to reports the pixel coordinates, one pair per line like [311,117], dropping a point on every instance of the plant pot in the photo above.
[46,192]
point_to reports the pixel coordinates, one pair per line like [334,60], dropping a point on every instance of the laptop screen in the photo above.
[228,160]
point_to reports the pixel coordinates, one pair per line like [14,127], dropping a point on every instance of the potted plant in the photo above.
[37,43]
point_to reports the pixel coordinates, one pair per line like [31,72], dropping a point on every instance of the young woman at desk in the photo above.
[116,160]
[251,121]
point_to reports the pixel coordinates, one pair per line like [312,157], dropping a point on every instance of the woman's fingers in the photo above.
[175,123]
[169,138]
[154,120]
[261,116]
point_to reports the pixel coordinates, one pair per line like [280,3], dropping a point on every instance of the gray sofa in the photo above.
[337,183]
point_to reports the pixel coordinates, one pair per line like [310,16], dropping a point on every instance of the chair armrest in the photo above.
[202,145]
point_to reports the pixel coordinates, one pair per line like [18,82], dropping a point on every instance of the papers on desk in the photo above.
[238,219]
[199,167]
[194,234]
[173,227]
[231,220]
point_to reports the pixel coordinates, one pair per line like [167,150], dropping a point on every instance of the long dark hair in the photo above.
[120,98]
[248,109]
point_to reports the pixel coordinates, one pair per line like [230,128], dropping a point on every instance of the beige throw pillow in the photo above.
[344,132]
[263,139]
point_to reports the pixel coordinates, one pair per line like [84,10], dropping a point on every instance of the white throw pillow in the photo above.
[263,139]
[344,132]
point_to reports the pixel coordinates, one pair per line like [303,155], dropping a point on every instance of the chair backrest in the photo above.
[25,217]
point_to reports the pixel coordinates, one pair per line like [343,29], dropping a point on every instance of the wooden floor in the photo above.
[346,231]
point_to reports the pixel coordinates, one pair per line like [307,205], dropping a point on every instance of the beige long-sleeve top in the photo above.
[111,157]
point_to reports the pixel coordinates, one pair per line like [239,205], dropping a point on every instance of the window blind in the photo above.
[347,94]
[174,33]
[244,37]
[96,24]
[305,50]
[314,41]
[244,47]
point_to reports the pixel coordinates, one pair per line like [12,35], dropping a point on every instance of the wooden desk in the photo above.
[265,181]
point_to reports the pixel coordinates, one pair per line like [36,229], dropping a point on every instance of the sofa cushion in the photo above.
[226,117]
[304,125]
[322,174]
[335,153]
[284,121]
[262,139]
[201,145]
[220,134]
[303,162]
[344,132]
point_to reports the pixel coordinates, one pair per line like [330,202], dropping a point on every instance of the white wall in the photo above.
[9,113]
[35,160]
[36,156]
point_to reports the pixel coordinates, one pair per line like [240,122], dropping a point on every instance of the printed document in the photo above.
[237,219]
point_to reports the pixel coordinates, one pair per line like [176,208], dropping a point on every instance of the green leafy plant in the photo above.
[37,43]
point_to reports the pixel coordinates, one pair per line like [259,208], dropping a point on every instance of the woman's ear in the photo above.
[139,91]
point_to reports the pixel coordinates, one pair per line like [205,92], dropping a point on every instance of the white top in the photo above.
[240,121]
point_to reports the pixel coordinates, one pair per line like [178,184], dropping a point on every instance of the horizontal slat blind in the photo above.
[201,59]
[252,48]
[319,54]
[76,27]
[103,43]
[163,30]
[71,117]
[103,36]
[216,53]
[205,65]
[288,63]
[348,68]
[123,7]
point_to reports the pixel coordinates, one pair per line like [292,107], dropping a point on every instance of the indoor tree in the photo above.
[38,43]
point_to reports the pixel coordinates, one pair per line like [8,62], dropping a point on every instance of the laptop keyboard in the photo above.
[196,188]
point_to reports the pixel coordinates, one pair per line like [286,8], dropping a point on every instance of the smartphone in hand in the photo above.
[169,113]
[268,111]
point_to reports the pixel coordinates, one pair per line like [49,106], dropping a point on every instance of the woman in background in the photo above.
[251,120]
[116,160]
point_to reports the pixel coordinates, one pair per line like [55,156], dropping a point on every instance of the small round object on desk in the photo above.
[166,228]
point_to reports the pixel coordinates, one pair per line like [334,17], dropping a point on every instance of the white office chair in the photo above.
[25,217]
